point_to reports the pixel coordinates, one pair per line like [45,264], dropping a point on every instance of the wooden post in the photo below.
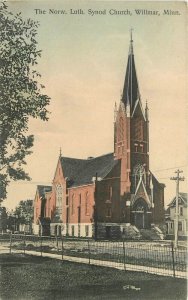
[57,243]
[10,242]
[62,250]
[41,245]
[124,254]
[95,209]
[177,179]
[24,242]
[88,251]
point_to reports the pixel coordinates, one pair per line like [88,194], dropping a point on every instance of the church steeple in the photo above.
[131,90]
[146,111]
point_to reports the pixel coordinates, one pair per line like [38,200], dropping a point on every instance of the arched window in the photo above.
[59,195]
[139,171]
[87,203]
[138,129]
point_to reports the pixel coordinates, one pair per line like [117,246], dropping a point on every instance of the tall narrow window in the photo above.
[136,147]
[87,204]
[181,210]
[80,199]
[110,193]
[59,196]
[138,129]
[72,207]
[180,227]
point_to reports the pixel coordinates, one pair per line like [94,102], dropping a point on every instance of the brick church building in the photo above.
[110,195]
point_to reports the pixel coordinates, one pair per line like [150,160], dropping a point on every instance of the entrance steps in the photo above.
[131,232]
[152,234]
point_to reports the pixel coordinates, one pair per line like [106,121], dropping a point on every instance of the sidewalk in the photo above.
[102,263]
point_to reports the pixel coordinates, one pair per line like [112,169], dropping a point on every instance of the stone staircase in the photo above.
[131,232]
[152,234]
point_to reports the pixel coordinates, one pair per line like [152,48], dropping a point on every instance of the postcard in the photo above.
[94,111]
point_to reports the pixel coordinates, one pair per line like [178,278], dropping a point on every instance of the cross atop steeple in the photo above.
[131,41]
[131,32]
[60,154]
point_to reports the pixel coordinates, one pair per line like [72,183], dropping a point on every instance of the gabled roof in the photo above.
[141,186]
[183,199]
[82,171]
[42,189]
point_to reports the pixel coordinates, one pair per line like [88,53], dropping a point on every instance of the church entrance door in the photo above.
[108,232]
[140,209]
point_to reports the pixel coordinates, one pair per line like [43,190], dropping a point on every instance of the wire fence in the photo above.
[152,257]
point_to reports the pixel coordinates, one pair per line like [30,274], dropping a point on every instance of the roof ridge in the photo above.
[73,158]
[86,159]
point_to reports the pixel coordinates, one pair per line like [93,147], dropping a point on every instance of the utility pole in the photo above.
[177,179]
[95,209]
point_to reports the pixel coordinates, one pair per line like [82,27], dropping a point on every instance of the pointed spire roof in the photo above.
[146,111]
[131,89]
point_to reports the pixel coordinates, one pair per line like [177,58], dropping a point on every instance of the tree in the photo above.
[24,212]
[3,218]
[21,96]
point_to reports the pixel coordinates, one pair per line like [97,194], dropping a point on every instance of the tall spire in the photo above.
[131,89]
[146,111]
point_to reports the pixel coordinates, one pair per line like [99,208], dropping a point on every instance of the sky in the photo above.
[83,67]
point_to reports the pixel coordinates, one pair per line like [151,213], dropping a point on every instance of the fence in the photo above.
[152,257]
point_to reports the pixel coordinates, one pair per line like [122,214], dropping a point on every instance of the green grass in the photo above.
[29,277]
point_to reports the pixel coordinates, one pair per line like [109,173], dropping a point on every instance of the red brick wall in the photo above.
[122,147]
[77,197]
[121,134]
[67,199]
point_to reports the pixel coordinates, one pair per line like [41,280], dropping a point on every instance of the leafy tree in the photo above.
[21,96]
[3,218]
[24,212]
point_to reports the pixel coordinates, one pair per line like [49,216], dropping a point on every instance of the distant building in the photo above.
[42,210]
[112,194]
[182,216]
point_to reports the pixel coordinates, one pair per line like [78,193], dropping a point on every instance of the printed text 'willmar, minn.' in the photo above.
[104,12]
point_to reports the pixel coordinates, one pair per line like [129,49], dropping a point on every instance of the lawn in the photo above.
[29,277]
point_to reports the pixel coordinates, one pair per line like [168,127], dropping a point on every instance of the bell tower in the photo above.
[131,139]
